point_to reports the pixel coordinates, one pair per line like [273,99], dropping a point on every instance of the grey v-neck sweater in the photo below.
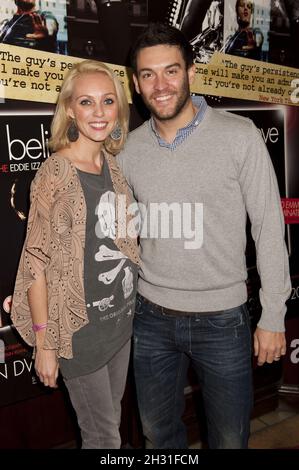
[222,171]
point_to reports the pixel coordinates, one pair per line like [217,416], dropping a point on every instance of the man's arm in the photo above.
[261,195]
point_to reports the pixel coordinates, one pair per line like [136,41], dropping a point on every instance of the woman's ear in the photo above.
[70,113]
[69,109]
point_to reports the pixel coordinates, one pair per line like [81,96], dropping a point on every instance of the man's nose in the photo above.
[160,82]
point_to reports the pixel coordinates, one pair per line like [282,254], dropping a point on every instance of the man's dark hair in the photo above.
[157,34]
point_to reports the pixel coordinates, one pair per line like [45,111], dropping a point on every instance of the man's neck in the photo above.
[167,129]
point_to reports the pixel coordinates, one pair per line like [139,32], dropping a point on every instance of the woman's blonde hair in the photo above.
[61,121]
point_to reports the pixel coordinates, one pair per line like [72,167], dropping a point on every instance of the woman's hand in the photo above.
[46,366]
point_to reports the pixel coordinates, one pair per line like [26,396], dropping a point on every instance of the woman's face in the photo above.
[94,106]
[244,10]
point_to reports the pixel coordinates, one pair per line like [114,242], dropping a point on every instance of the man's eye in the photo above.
[146,75]
[172,71]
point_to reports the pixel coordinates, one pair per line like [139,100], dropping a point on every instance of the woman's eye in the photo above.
[109,101]
[84,102]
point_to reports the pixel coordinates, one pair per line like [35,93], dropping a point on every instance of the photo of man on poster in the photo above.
[30,27]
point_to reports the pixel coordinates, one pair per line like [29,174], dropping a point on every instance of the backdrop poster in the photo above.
[34,24]
[23,137]
[279,128]
[105,31]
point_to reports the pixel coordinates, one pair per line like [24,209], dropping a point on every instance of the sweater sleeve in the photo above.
[35,254]
[261,195]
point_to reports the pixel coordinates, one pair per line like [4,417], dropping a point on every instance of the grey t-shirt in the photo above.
[110,281]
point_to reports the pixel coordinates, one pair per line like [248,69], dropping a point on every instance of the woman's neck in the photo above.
[87,156]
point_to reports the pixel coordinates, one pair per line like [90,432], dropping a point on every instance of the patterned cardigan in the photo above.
[54,244]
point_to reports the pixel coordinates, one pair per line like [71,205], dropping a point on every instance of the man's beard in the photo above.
[25,6]
[183,97]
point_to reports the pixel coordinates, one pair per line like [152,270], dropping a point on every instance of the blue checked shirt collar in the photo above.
[182,134]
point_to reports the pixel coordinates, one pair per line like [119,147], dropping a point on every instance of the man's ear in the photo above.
[191,74]
[135,80]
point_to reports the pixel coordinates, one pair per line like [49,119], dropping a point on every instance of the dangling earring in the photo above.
[116,134]
[72,132]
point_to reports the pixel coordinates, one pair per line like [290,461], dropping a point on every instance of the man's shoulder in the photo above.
[137,139]
[137,134]
[231,118]
[230,122]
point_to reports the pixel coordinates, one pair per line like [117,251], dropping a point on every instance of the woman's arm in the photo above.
[46,364]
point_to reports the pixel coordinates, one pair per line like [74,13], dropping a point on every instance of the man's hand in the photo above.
[269,346]
[39,25]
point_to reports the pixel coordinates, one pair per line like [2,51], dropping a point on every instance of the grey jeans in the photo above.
[96,399]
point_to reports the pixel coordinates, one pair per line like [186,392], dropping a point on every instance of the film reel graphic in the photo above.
[209,34]
[13,191]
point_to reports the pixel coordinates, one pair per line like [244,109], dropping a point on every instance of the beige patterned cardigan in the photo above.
[54,244]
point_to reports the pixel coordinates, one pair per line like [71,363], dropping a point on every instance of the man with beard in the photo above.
[28,28]
[196,173]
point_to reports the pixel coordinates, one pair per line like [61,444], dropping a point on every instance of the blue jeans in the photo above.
[219,347]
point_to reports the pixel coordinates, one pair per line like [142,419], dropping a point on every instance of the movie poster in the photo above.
[279,127]
[265,30]
[35,24]
[23,135]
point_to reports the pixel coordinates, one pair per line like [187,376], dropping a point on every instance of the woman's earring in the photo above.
[116,133]
[72,132]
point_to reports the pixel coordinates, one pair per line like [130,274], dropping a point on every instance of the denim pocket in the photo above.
[230,318]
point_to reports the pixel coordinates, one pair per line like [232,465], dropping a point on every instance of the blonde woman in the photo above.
[75,288]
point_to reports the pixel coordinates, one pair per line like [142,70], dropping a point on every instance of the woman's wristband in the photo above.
[39,326]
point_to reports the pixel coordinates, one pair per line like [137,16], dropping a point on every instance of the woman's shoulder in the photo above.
[55,164]
[57,171]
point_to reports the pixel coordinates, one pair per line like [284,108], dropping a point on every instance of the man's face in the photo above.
[25,5]
[244,11]
[163,81]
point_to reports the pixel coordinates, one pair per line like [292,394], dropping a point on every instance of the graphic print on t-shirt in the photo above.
[128,282]
[106,228]
[104,303]
[105,254]
[105,211]
[110,276]
[108,285]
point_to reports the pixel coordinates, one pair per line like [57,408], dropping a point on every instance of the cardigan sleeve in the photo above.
[35,254]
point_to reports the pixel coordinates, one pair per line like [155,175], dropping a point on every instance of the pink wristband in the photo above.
[39,326]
